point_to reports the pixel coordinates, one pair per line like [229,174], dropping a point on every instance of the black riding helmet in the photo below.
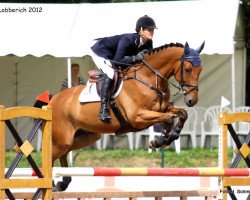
[144,22]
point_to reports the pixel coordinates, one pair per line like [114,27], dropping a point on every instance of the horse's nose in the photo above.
[190,102]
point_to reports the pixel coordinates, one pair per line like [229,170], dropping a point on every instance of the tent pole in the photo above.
[69,86]
[69,73]
[244,78]
[15,89]
[15,84]
[233,77]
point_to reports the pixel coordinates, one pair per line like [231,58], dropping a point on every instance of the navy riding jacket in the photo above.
[120,48]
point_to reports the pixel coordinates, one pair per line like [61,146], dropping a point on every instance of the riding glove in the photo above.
[138,57]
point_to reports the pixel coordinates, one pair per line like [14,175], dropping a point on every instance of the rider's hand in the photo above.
[139,57]
[145,51]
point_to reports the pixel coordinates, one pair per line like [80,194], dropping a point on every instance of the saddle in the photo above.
[96,77]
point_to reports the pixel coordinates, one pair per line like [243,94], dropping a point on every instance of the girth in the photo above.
[125,126]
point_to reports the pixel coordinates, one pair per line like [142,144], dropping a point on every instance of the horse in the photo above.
[142,102]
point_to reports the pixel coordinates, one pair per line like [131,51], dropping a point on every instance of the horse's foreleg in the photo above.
[175,133]
[167,136]
[147,118]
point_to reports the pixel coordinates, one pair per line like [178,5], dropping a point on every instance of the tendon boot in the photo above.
[158,141]
[165,139]
[104,114]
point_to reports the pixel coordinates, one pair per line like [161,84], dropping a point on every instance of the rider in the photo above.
[124,48]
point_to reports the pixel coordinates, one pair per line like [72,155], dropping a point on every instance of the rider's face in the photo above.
[148,33]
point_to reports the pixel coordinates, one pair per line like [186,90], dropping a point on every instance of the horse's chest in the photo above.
[160,106]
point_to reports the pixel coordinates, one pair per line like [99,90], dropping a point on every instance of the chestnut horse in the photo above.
[143,101]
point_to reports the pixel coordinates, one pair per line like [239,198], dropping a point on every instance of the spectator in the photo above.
[75,78]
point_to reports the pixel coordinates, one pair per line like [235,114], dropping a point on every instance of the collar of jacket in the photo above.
[137,39]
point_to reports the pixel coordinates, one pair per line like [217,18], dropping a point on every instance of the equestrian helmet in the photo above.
[144,22]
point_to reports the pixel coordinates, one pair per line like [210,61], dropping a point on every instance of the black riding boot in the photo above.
[104,114]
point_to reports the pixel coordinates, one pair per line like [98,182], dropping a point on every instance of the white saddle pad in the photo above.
[89,93]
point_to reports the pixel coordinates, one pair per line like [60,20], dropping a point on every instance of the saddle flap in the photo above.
[115,84]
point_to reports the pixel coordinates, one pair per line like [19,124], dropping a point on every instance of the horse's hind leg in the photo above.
[63,185]
[81,139]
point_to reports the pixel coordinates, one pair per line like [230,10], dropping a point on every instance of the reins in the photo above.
[157,74]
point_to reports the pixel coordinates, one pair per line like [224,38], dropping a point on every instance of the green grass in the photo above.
[198,157]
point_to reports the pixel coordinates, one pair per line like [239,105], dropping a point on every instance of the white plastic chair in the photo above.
[190,126]
[138,137]
[200,116]
[98,144]
[106,140]
[242,128]
[209,125]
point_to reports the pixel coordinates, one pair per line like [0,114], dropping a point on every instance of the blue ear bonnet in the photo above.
[192,56]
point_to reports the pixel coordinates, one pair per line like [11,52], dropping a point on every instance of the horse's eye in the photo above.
[188,70]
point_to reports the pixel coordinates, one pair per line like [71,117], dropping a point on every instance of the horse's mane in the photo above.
[165,46]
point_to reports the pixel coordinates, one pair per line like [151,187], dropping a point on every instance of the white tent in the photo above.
[75,25]
[35,45]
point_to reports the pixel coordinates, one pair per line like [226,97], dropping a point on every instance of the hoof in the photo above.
[158,142]
[172,137]
[151,145]
[162,141]
[61,186]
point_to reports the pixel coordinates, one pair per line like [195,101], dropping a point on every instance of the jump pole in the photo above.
[109,171]
[102,171]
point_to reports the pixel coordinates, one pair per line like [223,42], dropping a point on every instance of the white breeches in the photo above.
[103,64]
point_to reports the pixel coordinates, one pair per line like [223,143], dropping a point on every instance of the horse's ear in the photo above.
[201,47]
[186,49]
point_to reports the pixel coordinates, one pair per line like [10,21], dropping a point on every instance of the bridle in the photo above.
[181,82]
[162,94]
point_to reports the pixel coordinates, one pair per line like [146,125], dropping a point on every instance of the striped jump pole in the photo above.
[107,171]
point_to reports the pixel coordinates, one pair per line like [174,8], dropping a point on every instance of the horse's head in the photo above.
[188,72]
